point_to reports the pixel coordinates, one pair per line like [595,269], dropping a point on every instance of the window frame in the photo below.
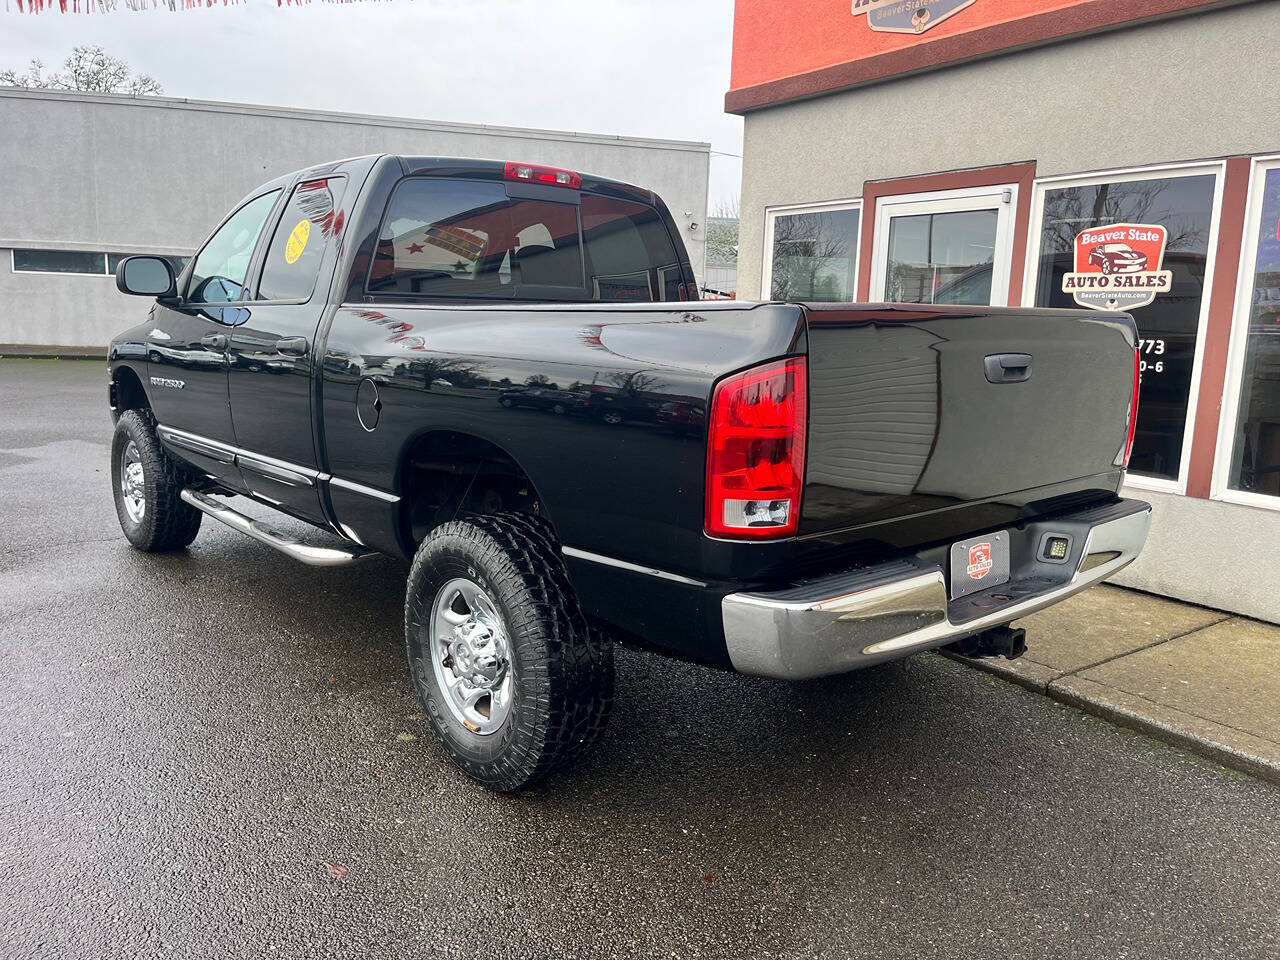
[1160,171]
[106,260]
[1233,380]
[250,281]
[275,220]
[14,268]
[653,268]
[958,200]
[771,214]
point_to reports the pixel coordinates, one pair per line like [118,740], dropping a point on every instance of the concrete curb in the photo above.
[1229,747]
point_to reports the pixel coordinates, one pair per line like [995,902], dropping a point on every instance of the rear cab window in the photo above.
[467,239]
[630,255]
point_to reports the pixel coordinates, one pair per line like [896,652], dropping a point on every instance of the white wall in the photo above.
[1222,555]
[101,172]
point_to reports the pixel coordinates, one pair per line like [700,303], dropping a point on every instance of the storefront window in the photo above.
[942,257]
[814,255]
[1141,246]
[1255,463]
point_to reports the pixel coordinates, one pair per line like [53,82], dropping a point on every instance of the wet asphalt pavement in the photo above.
[190,746]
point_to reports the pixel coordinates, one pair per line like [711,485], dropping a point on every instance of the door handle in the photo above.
[1007,367]
[214,341]
[294,346]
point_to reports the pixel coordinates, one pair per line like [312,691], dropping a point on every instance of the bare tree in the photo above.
[90,69]
[722,242]
[455,371]
[34,77]
[145,85]
[805,256]
[1139,202]
[636,382]
[726,209]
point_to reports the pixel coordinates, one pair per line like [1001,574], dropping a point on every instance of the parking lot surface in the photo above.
[218,753]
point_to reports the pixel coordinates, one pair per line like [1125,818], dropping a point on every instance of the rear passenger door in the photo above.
[272,351]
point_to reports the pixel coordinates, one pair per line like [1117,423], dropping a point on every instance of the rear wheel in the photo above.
[147,485]
[514,682]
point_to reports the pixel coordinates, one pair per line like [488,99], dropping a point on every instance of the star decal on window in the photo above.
[415,248]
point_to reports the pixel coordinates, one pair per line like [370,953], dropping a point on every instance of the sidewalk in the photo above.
[1201,679]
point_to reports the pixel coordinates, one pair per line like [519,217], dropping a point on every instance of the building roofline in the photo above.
[332,116]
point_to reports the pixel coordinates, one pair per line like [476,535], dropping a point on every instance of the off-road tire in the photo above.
[562,689]
[168,523]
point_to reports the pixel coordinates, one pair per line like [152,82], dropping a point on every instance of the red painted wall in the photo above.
[773,39]
[790,49]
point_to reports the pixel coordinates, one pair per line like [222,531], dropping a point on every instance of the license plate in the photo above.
[979,563]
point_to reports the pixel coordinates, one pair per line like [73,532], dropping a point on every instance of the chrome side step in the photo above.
[307,553]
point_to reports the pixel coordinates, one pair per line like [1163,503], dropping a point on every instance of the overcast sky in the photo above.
[657,68]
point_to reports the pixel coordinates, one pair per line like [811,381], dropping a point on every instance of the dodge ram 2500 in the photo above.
[502,373]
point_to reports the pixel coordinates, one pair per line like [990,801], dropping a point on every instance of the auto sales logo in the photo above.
[979,560]
[907,16]
[1118,267]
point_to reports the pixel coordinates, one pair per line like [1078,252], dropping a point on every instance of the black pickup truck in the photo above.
[502,373]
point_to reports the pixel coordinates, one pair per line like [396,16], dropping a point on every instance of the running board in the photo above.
[307,553]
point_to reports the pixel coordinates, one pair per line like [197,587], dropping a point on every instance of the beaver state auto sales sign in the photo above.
[1117,267]
[908,16]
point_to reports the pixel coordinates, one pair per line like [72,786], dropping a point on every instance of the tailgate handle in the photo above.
[1008,367]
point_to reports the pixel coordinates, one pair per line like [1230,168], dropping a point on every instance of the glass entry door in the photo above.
[952,247]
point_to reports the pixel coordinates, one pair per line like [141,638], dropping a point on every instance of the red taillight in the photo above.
[533,173]
[1133,408]
[755,451]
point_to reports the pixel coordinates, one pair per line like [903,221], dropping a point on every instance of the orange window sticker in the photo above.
[297,241]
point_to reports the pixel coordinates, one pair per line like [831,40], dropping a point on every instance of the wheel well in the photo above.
[446,474]
[128,392]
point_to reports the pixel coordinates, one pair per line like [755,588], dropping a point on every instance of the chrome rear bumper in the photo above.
[882,613]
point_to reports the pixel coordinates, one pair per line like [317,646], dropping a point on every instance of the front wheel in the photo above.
[148,488]
[514,682]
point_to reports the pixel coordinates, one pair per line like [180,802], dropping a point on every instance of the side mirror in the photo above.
[145,277]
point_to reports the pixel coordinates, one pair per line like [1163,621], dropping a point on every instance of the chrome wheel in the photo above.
[471,655]
[132,488]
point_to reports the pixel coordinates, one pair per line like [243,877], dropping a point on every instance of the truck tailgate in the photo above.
[904,418]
